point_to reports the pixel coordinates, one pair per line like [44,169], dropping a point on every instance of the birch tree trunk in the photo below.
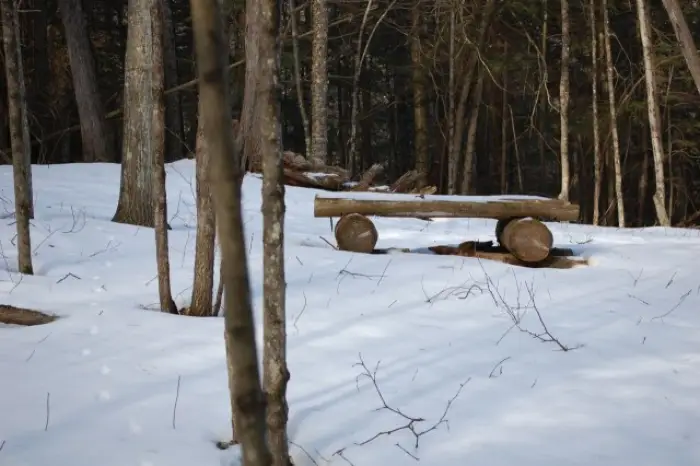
[93,126]
[226,176]
[653,113]
[564,102]
[685,38]
[135,205]
[612,106]
[597,156]
[319,80]
[19,141]
[160,204]
[420,110]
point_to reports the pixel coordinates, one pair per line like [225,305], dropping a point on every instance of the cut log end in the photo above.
[527,239]
[356,233]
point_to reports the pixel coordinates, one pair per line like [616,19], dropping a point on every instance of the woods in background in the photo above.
[595,101]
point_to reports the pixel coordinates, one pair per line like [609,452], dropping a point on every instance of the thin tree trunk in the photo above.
[504,124]
[653,112]
[135,205]
[159,191]
[420,110]
[226,176]
[597,156]
[205,244]
[319,80]
[93,126]
[564,102]
[451,111]
[456,146]
[175,133]
[685,38]
[275,373]
[544,115]
[19,142]
[468,177]
[617,163]
[297,78]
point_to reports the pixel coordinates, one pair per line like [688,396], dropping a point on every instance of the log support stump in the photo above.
[356,233]
[528,239]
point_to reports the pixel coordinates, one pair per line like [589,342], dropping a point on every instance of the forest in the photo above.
[593,101]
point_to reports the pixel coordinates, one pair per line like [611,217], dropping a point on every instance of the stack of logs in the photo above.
[314,173]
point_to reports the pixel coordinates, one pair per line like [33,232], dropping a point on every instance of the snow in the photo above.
[115,383]
[361,195]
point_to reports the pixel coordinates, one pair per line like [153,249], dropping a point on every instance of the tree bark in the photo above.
[420,110]
[160,203]
[275,372]
[612,106]
[175,133]
[21,150]
[319,80]
[135,205]
[653,113]
[93,125]
[226,177]
[469,153]
[203,285]
[564,102]
[297,78]
[410,206]
[685,38]
[597,155]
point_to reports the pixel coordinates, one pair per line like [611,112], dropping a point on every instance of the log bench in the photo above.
[519,228]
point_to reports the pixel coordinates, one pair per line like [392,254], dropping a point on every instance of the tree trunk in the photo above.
[685,38]
[175,133]
[205,244]
[612,105]
[275,373]
[653,112]
[135,205]
[160,204]
[249,137]
[226,176]
[469,154]
[597,155]
[93,125]
[456,145]
[319,80]
[564,102]
[420,110]
[21,150]
[297,78]
[504,125]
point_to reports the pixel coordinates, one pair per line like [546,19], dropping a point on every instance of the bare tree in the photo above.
[160,204]
[19,133]
[469,153]
[135,205]
[685,38]
[420,109]
[226,176]
[612,106]
[174,135]
[319,80]
[653,113]
[564,101]
[205,244]
[297,77]
[597,155]
[93,125]
[275,372]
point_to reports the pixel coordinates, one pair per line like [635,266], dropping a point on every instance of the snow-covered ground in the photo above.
[114,383]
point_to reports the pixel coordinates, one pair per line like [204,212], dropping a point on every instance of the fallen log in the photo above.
[328,182]
[356,233]
[368,177]
[528,239]
[400,205]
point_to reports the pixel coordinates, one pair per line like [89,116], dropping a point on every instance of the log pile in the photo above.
[315,173]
